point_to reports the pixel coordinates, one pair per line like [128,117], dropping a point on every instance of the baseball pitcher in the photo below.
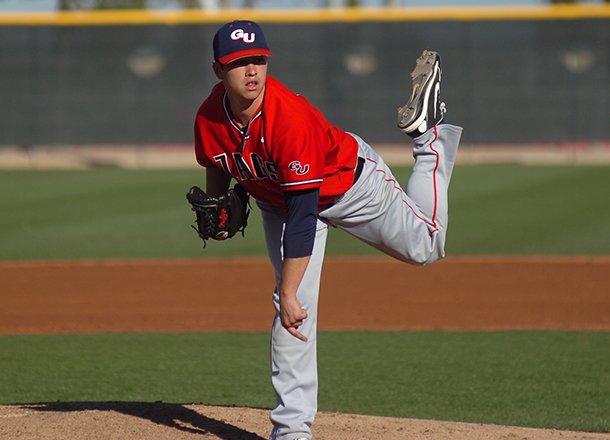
[306,175]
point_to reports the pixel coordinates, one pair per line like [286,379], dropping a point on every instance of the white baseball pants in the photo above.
[409,225]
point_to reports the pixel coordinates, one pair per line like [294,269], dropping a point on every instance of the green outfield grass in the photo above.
[537,379]
[110,213]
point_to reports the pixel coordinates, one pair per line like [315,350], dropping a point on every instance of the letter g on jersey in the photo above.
[239,34]
[298,168]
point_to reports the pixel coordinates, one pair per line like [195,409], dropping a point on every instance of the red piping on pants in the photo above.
[436,165]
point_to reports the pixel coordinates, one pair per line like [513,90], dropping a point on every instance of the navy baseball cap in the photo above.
[239,39]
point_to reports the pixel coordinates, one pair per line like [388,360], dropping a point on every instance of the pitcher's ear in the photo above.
[217,67]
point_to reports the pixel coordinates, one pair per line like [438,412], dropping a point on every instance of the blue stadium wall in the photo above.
[505,81]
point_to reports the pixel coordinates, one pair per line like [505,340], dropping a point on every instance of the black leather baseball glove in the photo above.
[217,216]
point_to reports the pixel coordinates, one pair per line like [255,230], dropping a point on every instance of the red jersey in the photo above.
[288,145]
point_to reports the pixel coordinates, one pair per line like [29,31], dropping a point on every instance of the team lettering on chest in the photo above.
[251,167]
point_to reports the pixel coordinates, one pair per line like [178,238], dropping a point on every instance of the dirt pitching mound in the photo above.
[160,421]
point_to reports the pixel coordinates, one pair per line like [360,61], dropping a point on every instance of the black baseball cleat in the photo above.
[424,109]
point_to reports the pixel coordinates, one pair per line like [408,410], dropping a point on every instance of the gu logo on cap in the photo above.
[239,39]
[239,34]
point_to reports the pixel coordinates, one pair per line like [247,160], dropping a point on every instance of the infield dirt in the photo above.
[380,294]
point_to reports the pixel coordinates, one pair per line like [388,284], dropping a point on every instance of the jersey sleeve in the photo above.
[206,129]
[300,153]
[202,158]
